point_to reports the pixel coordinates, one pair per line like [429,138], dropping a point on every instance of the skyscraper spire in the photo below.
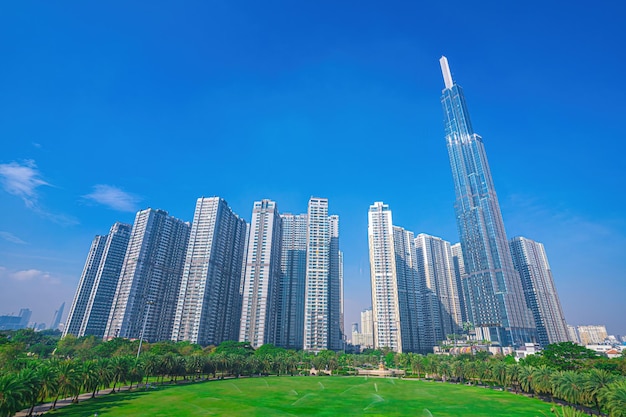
[445,70]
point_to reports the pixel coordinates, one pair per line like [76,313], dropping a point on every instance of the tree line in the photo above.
[38,367]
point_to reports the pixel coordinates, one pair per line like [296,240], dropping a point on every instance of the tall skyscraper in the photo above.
[56,319]
[396,295]
[94,296]
[209,301]
[436,270]
[322,306]
[85,287]
[100,300]
[496,304]
[292,281]
[261,288]
[335,283]
[531,262]
[145,297]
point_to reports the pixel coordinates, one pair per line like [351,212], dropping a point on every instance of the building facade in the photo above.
[76,314]
[292,281]
[261,288]
[531,262]
[209,301]
[322,303]
[11,322]
[494,295]
[435,266]
[460,275]
[91,307]
[101,298]
[397,293]
[145,297]
[591,334]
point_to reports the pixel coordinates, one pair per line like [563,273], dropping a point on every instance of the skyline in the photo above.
[97,126]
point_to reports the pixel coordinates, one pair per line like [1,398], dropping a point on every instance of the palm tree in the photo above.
[194,365]
[209,366]
[444,370]
[417,364]
[569,386]
[48,379]
[31,381]
[499,372]
[614,398]
[471,370]
[136,372]
[542,380]
[513,373]
[151,363]
[68,379]
[525,377]
[458,369]
[104,371]
[597,379]
[430,365]
[89,371]
[12,395]
[120,366]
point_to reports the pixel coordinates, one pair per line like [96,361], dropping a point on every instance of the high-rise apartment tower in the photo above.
[322,305]
[145,298]
[292,281]
[531,262]
[209,301]
[259,312]
[91,307]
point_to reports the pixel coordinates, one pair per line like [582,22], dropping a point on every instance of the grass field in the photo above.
[308,396]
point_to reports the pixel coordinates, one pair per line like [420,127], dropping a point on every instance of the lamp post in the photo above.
[143,328]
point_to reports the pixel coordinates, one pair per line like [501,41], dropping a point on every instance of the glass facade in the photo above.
[494,298]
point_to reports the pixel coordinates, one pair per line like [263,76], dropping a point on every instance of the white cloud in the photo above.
[41,291]
[34,276]
[113,197]
[10,237]
[22,180]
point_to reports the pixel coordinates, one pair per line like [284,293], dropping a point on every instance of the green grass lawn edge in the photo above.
[319,396]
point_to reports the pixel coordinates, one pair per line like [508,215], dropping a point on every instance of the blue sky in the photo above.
[109,108]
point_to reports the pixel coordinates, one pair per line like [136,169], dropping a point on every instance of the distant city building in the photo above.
[436,269]
[91,307]
[322,305]
[292,281]
[365,337]
[149,280]
[209,302]
[11,322]
[56,319]
[259,313]
[572,334]
[367,328]
[531,262]
[492,287]
[592,334]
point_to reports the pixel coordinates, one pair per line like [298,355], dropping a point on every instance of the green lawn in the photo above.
[305,396]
